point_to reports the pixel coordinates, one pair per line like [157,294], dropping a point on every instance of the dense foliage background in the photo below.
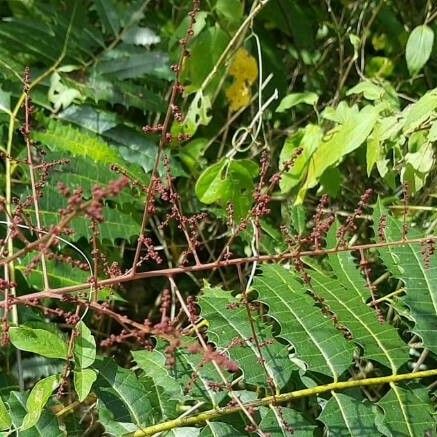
[210,210]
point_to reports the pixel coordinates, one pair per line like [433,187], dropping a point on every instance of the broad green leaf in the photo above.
[89,118]
[278,421]
[219,429]
[419,47]
[152,363]
[123,395]
[406,263]
[316,341]
[225,327]
[83,381]
[116,224]
[37,400]
[59,274]
[373,153]
[205,52]
[198,114]
[370,90]
[127,65]
[228,181]
[47,424]
[347,296]
[5,418]
[62,137]
[344,415]
[123,93]
[231,11]
[84,346]
[38,341]
[295,99]
[309,140]
[414,417]
[196,377]
[420,111]
[343,141]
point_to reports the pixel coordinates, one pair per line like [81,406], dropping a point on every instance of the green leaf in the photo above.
[5,418]
[414,418]
[420,111]
[62,137]
[278,421]
[295,99]
[225,326]
[346,416]
[419,48]
[37,400]
[231,11]
[316,341]
[347,296]
[195,376]
[109,16]
[38,341]
[343,141]
[309,139]
[219,429]
[59,274]
[47,424]
[5,101]
[84,346]
[123,396]
[370,90]
[126,65]
[228,181]
[89,118]
[373,153]
[406,263]
[83,381]
[205,52]
[152,363]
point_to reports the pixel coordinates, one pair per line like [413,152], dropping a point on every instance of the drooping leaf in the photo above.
[227,331]
[83,381]
[315,339]
[417,113]
[344,415]
[419,47]
[84,346]
[37,400]
[406,263]
[38,341]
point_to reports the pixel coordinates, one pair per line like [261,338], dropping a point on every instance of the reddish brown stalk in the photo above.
[170,272]
[176,90]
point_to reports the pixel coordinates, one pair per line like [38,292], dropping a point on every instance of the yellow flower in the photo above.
[244,67]
[238,95]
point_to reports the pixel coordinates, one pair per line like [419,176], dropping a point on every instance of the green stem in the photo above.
[278,399]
